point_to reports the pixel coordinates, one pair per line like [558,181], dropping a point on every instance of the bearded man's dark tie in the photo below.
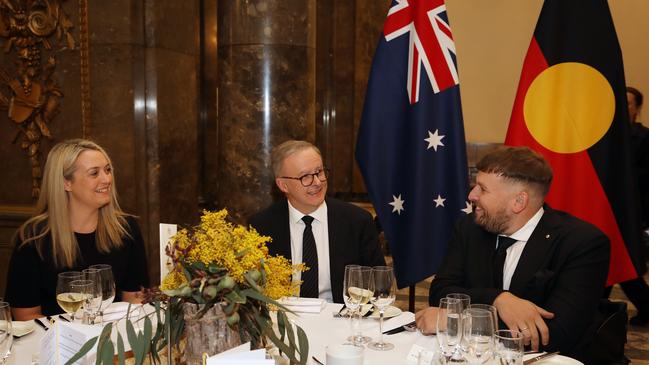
[499,259]
[309,288]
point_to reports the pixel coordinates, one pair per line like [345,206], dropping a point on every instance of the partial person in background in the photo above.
[544,270]
[326,234]
[637,290]
[77,223]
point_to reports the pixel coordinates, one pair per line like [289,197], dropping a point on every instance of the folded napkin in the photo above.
[118,310]
[303,305]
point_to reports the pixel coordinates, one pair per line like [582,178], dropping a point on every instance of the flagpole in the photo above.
[411,298]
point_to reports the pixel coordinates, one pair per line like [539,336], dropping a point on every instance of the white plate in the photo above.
[20,328]
[390,312]
[554,360]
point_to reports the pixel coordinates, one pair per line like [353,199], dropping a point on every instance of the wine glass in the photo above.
[93,304]
[107,286]
[508,347]
[477,338]
[6,332]
[449,326]
[490,308]
[383,287]
[356,294]
[67,299]
[84,288]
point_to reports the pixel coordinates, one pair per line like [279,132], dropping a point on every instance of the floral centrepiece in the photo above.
[219,270]
[220,263]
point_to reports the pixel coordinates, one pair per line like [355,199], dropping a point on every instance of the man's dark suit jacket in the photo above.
[352,237]
[562,269]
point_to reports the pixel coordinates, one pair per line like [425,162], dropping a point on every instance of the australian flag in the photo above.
[411,148]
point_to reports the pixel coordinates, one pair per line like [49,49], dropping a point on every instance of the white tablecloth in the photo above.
[322,330]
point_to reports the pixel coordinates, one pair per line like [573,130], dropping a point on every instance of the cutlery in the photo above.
[63,318]
[540,357]
[316,360]
[410,327]
[38,322]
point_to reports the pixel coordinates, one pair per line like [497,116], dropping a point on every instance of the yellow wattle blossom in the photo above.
[235,248]
[279,277]
[173,280]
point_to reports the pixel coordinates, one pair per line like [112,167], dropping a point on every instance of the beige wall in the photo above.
[491,38]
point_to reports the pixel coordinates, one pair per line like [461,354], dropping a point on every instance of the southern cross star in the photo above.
[434,140]
[397,204]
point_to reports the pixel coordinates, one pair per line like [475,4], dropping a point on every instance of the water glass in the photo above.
[465,299]
[490,308]
[93,304]
[449,326]
[6,332]
[508,347]
[107,285]
[478,335]
[383,287]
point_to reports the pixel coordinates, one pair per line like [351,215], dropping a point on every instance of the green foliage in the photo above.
[256,324]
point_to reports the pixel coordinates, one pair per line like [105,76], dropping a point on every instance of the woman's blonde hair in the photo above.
[52,216]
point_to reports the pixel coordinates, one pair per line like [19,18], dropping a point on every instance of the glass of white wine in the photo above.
[383,288]
[69,300]
[355,295]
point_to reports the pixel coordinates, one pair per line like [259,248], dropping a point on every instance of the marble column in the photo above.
[266,93]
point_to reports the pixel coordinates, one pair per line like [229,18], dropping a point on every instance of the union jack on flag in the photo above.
[431,43]
[410,147]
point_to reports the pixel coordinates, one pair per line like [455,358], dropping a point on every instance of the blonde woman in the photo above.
[77,223]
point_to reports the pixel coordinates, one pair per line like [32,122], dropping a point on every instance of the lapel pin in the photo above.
[547,236]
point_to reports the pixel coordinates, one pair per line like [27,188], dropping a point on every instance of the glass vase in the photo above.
[208,334]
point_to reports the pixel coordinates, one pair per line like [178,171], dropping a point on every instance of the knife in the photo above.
[540,357]
[38,322]
[400,328]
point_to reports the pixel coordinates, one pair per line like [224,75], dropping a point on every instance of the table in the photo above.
[322,330]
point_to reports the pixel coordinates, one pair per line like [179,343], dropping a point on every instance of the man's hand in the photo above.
[524,316]
[427,320]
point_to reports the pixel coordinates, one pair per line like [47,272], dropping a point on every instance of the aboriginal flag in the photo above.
[571,107]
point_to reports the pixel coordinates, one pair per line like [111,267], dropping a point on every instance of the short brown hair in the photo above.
[281,152]
[520,164]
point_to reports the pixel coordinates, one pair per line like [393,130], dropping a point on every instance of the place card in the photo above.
[166,232]
[63,340]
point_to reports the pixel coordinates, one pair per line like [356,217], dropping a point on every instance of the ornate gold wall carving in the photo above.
[31,30]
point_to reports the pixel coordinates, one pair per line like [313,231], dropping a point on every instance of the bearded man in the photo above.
[544,270]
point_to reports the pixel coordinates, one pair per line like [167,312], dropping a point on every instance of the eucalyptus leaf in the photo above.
[303,349]
[235,297]
[120,349]
[107,353]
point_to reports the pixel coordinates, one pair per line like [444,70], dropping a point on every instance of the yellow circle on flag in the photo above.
[569,107]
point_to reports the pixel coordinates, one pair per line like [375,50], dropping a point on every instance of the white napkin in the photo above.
[118,310]
[303,305]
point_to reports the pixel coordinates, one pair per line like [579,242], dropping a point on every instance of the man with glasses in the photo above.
[307,227]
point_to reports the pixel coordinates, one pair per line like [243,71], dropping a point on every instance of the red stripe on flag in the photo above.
[588,202]
[414,80]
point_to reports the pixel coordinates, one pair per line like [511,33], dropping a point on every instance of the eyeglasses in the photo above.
[307,179]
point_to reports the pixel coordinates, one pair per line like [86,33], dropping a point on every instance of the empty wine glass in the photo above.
[93,304]
[449,327]
[477,338]
[107,286]
[6,332]
[356,294]
[383,287]
[508,347]
[69,300]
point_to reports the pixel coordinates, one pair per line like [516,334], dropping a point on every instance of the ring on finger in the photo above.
[524,329]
